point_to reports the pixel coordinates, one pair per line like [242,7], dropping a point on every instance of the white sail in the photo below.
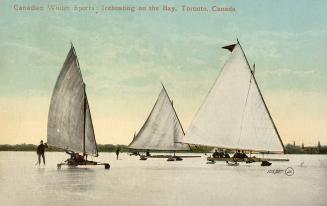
[234,114]
[162,130]
[90,142]
[69,119]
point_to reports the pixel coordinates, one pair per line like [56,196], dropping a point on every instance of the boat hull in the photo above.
[82,163]
[249,160]
[168,157]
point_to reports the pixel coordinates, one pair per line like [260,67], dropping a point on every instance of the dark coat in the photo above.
[41,148]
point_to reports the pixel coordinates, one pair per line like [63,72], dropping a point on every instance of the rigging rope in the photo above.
[246,100]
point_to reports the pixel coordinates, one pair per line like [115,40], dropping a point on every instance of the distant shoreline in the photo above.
[32,147]
[100,147]
[291,148]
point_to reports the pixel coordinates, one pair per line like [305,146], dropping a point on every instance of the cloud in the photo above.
[30,50]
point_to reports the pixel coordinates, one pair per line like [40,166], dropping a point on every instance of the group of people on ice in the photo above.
[223,154]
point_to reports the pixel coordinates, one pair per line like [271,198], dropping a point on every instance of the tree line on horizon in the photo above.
[290,148]
[101,148]
[32,147]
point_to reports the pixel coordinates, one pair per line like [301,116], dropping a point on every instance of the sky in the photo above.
[125,55]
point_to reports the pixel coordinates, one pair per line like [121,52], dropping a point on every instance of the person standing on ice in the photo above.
[117,152]
[40,151]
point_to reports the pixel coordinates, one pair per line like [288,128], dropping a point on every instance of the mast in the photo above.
[84,109]
[84,125]
[264,103]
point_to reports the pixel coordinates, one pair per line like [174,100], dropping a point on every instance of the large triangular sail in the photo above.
[234,114]
[69,120]
[162,130]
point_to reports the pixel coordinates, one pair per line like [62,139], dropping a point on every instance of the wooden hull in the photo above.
[249,160]
[82,163]
[167,156]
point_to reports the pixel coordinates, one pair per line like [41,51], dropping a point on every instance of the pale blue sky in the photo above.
[124,56]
